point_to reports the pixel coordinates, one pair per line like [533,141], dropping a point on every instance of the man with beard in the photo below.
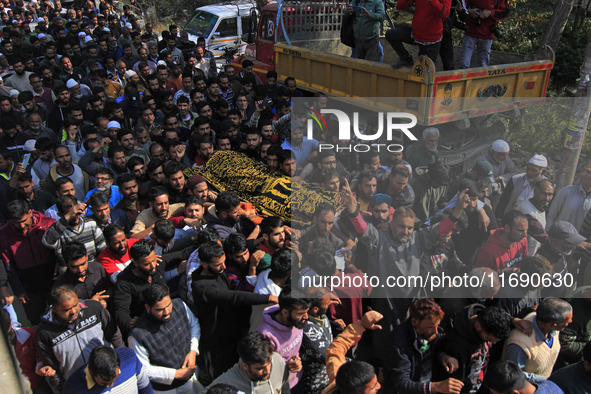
[283,325]
[521,186]
[70,330]
[65,168]
[224,215]
[74,227]
[42,94]
[20,79]
[239,262]
[427,152]
[506,247]
[253,143]
[115,258]
[414,345]
[103,180]
[176,181]
[159,209]
[287,164]
[144,271]
[204,64]
[39,200]
[221,310]
[399,250]
[130,204]
[573,202]
[197,186]
[366,187]
[117,160]
[204,146]
[259,367]
[61,109]
[323,222]
[127,142]
[535,209]
[69,71]
[305,150]
[170,361]
[103,214]
[563,239]
[87,278]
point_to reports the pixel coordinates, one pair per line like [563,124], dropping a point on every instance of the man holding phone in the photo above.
[366,29]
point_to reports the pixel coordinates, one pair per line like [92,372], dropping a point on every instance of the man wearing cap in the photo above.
[197,186]
[426,152]
[430,187]
[503,166]
[134,81]
[563,239]
[78,93]
[573,202]
[521,186]
[480,172]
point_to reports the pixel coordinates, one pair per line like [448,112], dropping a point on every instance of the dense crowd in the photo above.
[129,266]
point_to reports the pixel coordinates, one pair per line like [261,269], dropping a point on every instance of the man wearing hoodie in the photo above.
[260,370]
[506,247]
[284,324]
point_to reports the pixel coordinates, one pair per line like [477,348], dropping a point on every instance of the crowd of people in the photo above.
[126,270]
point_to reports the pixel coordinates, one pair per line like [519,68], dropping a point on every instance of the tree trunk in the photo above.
[556,26]
[577,125]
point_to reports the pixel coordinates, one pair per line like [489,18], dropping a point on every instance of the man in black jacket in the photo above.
[410,366]
[219,309]
[469,342]
[145,269]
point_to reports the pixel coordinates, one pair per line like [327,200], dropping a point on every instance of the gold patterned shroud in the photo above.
[270,192]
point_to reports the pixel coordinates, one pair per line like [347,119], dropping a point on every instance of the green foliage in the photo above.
[570,54]
[542,129]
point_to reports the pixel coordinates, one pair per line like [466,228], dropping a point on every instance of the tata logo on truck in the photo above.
[387,122]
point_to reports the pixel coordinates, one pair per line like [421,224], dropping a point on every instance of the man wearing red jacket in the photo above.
[29,264]
[483,17]
[426,30]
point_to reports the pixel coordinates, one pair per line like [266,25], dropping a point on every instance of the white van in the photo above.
[222,26]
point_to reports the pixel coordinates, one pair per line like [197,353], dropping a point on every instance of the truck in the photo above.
[302,40]
[223,26]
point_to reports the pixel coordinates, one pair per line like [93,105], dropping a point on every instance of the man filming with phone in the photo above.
[366,29]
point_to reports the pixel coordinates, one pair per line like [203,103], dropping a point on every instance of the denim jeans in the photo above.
[482,51]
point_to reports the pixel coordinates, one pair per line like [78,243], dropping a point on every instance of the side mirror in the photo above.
[216,34]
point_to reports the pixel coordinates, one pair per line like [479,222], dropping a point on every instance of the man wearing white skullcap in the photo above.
[425,153]
[572,203]
[521,186]
[503,168]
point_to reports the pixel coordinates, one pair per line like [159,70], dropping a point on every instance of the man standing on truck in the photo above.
[369,14]
[483,17]
[426,30]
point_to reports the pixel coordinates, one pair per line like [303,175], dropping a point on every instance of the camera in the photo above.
[496,31]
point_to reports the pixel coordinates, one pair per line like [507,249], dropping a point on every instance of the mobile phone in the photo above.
[357,9]
[26,158]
